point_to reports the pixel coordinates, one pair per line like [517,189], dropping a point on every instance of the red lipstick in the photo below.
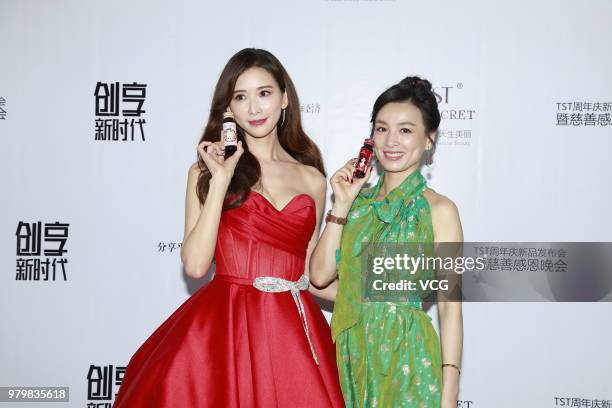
[258,122]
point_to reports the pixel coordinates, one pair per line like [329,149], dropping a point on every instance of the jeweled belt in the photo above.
[273,284]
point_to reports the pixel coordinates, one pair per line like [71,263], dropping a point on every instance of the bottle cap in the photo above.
[368,142]
[228,114]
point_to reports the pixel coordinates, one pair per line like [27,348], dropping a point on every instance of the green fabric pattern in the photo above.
[388,353]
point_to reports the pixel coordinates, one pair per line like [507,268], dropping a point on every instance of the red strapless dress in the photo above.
[233,345]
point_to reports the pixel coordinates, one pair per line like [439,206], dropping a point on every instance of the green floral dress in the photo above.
[388,352]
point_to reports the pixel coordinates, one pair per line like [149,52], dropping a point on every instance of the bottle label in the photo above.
[229,134]
[363,161]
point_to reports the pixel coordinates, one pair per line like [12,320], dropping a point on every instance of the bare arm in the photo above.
[323,259]
[447,228]
[201,225]
[202,222]
[319,184]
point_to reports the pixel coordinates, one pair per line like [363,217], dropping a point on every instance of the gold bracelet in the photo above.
[452,365]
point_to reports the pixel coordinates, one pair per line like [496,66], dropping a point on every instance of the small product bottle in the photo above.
[364,159]
[229,135]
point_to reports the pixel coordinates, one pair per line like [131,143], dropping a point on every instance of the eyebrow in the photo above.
[402,123]
[259,88]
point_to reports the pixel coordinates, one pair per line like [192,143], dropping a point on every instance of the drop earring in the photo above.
[429,159]
[283,117]
[428,162]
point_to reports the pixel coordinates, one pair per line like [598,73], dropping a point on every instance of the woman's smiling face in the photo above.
[399,136]
[257,102]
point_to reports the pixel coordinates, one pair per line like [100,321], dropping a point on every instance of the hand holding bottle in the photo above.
[213,154]
[345,187]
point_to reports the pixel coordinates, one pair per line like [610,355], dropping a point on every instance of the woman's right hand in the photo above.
[346,188]
[213,154]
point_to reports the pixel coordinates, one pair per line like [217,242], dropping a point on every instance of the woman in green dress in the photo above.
[387,350]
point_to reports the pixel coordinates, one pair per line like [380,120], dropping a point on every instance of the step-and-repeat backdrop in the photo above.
[103,103]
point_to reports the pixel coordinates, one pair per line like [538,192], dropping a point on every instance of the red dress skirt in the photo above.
[234,345]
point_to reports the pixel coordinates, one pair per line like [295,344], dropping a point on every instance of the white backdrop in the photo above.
[515,170]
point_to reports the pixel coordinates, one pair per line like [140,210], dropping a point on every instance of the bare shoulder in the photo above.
[444,216]
[193,175]
[314,182]
[440,204]
[313,177]
[194,169]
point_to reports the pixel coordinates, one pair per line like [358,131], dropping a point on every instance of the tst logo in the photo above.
[442,93]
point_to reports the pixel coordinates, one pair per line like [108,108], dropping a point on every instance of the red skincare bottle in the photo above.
[364,159]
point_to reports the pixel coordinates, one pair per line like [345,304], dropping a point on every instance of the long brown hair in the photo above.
[291,136]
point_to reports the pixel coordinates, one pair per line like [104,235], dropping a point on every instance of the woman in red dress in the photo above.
[253,336]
